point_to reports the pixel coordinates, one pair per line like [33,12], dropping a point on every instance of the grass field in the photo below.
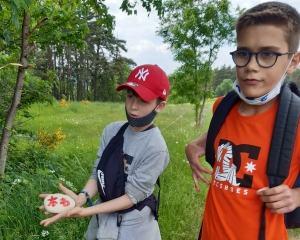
[31,171]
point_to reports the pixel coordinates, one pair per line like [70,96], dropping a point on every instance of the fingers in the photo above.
[67,191]
[261,191]
[278,199]
[43,195]
[55,218]
[73,212]
[195,178]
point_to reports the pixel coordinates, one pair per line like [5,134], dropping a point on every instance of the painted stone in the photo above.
[57,203]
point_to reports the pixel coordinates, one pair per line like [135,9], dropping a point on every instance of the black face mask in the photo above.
[143,121]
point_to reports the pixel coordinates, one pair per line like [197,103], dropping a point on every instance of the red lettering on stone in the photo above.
[52,201]
[64,202]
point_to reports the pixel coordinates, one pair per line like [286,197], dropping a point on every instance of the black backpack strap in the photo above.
[122,129]
[284,134]
[158,199]
[282,144]
[112,151]
[152,202]
[216,123]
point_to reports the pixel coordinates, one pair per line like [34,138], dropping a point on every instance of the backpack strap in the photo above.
[216,123]
[281,148]
[122,129]
[284,134]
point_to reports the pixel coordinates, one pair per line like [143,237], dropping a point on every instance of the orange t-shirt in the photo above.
[233,209]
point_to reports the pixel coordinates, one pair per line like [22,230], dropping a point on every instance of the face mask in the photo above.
[265,98]
[142,121]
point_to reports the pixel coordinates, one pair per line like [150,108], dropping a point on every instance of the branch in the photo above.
[31,47]
[12,64]
[37,25]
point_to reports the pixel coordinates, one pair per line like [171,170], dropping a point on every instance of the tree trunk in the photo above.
[8,126]
[203,104]
[78,79]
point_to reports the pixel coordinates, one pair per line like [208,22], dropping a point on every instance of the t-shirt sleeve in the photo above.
[141,183]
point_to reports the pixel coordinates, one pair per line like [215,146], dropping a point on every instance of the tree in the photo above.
[225,72]
[195,30]
[295,76]
[224,88]
[47,23]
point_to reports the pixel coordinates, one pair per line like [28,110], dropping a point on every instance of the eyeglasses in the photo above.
[265,58]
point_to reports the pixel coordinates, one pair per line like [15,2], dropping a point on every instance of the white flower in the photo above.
[69,184]
[62,179]
[44,233]
[16,181]
[52,171]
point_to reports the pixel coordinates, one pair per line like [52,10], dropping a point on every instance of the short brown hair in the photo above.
[276,14]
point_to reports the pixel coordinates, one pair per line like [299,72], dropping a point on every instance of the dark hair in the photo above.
[276,14]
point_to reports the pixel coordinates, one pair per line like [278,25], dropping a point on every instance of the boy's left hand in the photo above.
[76,212]
[280,199]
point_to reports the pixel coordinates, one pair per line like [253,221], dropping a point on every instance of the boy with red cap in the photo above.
[145,158]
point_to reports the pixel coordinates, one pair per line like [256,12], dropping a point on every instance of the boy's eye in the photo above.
[266,54]
[242,54]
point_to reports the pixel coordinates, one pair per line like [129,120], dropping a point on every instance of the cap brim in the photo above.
[144,93]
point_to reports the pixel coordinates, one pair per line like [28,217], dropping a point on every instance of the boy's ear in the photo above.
[294,63]
[160,106]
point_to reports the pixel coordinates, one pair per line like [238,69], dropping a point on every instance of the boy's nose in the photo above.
[134,104]
[252,64]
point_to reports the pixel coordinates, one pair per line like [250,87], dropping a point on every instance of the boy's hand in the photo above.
[80,200]
[280,199]
[76,212]
[193,153]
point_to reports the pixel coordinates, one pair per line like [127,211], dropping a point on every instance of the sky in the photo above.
[144,46]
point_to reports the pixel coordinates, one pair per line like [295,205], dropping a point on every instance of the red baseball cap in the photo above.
[148,81]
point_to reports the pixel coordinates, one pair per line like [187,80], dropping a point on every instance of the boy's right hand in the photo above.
[193,152]
[80,200]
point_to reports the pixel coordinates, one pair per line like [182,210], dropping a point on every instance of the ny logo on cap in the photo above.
[142,74]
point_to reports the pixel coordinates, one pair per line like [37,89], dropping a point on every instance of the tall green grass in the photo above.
[31,171]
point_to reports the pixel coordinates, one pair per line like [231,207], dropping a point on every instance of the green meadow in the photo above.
[32,170]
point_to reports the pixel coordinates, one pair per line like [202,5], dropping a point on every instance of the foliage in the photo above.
[224,88]
[224,72]
[50,140]
[32,171]
[64,103]
[35,90]
[195,31]
[7,76]
[85,101]
[295,76]
[129,6]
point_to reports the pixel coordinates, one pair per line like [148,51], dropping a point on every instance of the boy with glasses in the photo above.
[267,43]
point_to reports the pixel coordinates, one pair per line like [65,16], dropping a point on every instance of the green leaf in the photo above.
[6,36]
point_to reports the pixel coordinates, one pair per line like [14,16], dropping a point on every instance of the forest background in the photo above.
[57,55]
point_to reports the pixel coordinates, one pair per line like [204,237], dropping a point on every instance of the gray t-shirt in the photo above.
[145,157]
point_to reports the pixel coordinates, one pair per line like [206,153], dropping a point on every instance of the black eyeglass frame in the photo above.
[277,54]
